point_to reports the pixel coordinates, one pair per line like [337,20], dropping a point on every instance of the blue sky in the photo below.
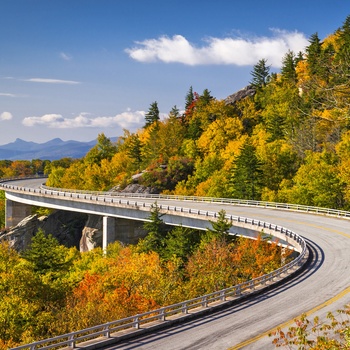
[76,68]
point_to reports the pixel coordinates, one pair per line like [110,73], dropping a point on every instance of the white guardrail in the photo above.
[183,310]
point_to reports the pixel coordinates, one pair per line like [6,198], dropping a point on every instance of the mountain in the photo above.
[51,150]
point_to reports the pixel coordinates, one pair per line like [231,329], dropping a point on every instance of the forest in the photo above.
[289,142]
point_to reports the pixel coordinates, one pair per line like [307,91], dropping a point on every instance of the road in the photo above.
[324,286]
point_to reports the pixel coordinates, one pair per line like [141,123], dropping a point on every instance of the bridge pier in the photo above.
[124,230]
[15,212]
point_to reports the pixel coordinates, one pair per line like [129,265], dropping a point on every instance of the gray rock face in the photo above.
[64,225]
[92,233]
[248,91]
[136,188]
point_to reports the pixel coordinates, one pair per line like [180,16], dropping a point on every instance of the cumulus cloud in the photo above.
[240,51]
[126,120]
[6,116]
[51,81]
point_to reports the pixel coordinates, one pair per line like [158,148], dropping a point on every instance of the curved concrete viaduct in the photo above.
[323,286]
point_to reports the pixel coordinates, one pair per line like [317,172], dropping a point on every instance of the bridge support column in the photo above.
[108,235]
[123,230]
[15,212]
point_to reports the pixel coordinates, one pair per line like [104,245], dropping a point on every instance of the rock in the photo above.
[92,233]
[66,226]
[248,91]
[136,188]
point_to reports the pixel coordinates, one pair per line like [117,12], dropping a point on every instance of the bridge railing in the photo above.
[234,201]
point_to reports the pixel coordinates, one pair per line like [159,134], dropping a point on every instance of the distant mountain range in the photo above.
[51,150]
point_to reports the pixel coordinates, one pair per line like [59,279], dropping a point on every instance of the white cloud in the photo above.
[65,56]
[238,51]
[125,120]
[7,94]
[51,81]
[6,116]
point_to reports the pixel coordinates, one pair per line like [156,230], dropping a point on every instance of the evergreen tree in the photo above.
[135,149]
[205,98]
[260,74]
[288,68]
[313,52]
[247,174]
[152,115]
[220,228]
[189,98]
[156,231]
[342,57]
[174,113]
[47,255]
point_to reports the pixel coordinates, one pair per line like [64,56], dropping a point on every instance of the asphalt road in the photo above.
[324,286]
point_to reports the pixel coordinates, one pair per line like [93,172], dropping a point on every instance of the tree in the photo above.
[156,231]
[152,115]
[189,98]
[288,71]
[247,175]
[47,255]
[313,54]
[174,113]
[220,227]
[104,149]
[260,74]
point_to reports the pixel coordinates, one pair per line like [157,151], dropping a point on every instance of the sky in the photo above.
[73,69]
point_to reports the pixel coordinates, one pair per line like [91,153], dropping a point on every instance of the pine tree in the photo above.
[152,115]
[288,68]
[156,231]
[205,98]
[221,227]
[260,74]
[313,52]
[189,98]
[247,174]
[174,113]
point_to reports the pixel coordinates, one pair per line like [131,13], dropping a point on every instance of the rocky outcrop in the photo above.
[91,236]
[136,188]
[248,91]
[64,225]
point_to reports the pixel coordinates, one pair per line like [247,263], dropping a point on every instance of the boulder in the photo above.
[248,91]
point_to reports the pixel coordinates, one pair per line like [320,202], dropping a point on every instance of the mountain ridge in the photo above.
[51,150]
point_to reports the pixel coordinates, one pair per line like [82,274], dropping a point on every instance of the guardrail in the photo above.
[186,308]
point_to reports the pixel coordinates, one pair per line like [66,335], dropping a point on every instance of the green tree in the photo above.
[156,232]
[260,74]
[104,149]
[247,175]
[47,256]
[180,243]
[189,98]
[174,113]
[313,52]
[221,227]
[152,115]
[288,71]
